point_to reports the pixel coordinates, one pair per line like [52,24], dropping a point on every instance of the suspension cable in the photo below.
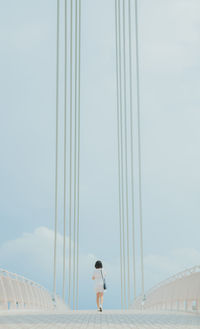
[78,179]
[118,138]
[56,165]
[126,161]
[139,142]
[131,133]
[65,146]
[121,141]
[70,169]
[75,156]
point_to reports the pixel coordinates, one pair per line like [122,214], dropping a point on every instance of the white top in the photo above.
[98,281]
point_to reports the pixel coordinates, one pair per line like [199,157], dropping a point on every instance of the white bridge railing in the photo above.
[17,292]
[180,292]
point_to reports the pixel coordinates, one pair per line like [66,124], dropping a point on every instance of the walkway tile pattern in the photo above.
[94,320]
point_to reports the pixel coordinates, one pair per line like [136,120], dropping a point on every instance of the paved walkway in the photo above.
[94,320]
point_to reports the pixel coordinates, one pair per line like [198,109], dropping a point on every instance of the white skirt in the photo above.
[98,287]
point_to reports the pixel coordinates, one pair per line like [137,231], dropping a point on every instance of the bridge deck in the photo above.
[94,320]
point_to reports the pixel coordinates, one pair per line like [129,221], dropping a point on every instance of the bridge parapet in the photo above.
[18,292]
[180,292]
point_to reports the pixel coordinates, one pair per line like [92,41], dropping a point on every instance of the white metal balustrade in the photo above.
[180,292]
[18,292]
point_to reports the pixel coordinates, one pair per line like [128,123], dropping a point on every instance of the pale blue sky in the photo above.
[170,52]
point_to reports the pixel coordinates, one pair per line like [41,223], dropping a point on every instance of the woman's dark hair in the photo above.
[98,264]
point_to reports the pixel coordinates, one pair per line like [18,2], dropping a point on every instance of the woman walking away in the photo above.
[98,277]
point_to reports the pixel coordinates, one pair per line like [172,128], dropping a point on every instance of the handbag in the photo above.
[104,281]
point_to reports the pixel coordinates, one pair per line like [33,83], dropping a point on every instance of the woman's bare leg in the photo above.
[97,299]
[101,297]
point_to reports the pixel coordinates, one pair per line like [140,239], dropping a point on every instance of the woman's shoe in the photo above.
[100,309]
